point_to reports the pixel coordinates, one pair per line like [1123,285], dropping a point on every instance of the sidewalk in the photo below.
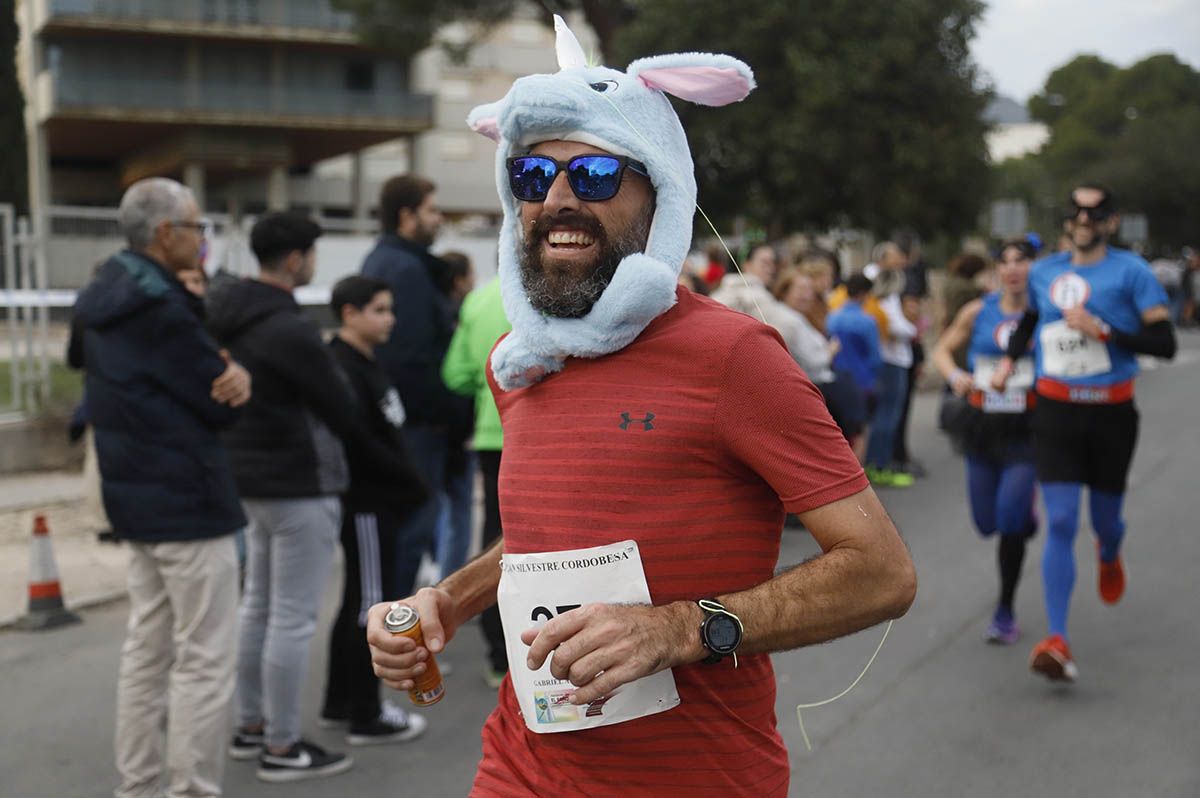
[89,571]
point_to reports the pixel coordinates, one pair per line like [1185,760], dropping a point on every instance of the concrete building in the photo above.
[465,68]
[258,104]
[1013,133]
[237,98]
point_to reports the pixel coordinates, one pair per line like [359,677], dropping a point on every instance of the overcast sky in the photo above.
[1020,42]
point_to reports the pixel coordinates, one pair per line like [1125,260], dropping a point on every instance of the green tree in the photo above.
[1133,129]
[866,114]
[1153,169]
[13,174]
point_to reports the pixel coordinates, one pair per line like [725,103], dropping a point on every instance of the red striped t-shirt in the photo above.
[692,441]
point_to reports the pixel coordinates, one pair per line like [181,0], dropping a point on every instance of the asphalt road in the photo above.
[939,714]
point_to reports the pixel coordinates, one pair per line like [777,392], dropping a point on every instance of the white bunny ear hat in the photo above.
[626,113]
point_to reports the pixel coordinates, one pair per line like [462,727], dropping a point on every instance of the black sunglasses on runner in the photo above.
[1096,214]
[593,178]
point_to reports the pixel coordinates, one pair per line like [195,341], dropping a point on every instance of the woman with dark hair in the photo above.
[993,428]
[815,352]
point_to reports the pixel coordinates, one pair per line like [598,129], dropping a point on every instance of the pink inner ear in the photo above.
[488,126]
[703,85]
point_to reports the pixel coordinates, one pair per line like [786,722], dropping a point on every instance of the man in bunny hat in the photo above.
[654,441]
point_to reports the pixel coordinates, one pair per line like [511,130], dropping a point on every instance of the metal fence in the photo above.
[82,237]
[23,301]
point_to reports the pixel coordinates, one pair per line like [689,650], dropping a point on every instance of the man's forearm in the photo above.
[864,577]
[827,597]
[474,585]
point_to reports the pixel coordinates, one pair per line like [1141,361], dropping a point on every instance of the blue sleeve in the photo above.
[871,335]
[1147,291]
[833,324]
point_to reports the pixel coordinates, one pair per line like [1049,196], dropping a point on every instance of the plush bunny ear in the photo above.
[566,46]
[702,78]
[485,120]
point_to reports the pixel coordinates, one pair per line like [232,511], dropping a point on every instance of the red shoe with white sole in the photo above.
[1052,658]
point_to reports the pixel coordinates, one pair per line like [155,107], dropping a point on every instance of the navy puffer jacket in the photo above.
[150,367]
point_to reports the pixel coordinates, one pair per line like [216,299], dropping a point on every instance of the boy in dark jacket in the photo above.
[372,511]
[290,465]
[158,393]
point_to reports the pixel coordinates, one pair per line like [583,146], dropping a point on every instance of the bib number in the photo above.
[1021,378]
[1070,353]
[535,588]
[1011,401]
[1014,399]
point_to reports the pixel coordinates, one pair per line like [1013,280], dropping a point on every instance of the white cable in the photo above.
[854,684]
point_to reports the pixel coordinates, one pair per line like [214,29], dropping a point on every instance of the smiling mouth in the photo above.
[569,240]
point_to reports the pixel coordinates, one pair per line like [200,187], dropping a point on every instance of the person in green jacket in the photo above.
[481,322]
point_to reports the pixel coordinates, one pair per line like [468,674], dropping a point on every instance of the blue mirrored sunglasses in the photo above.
[593,178]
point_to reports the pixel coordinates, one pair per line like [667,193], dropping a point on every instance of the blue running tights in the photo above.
[1002,501]
[1001,497]
[1058,560]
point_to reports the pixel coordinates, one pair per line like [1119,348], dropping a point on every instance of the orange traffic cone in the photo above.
[46,608]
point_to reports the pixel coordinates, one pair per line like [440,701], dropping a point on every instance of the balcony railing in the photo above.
[310,14]
[241,99]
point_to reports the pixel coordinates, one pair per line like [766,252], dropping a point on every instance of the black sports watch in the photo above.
[721,631]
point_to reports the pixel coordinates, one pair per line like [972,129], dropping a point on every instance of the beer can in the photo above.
[427,687]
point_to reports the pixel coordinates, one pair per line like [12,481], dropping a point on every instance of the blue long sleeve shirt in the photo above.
[858,335]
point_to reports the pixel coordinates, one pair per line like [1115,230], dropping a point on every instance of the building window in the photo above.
[360,76]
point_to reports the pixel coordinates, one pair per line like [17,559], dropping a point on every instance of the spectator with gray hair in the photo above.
[159,390]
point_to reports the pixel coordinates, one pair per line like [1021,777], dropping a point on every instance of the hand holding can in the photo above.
[428,687]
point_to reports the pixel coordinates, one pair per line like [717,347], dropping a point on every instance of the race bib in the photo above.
[1070,353]
[1021,378]
[1010,401]
[1014,399]
[537,587]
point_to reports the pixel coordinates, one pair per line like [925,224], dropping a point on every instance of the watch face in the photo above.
[722,633]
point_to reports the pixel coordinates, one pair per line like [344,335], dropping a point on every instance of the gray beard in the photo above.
[573,298]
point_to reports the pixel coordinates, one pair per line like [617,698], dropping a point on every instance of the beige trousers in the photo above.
[175,689]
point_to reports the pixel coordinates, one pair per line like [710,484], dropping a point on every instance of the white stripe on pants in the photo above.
[177,668]
[366,529]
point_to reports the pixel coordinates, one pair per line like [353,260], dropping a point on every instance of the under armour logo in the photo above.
[645,422]
[596,708]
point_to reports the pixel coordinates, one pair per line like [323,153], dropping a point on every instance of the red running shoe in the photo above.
[1052,659]
[1112,580]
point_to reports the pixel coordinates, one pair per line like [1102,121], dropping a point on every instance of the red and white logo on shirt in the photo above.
[1003,332]
[1069,291]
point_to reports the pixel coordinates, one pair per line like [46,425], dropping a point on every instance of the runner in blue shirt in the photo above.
[994,431]
[1092,310]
